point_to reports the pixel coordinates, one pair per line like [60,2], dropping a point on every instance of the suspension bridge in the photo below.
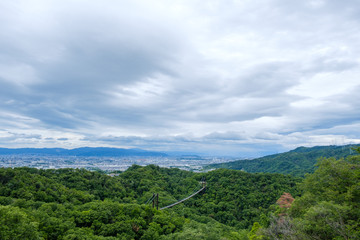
[155,198]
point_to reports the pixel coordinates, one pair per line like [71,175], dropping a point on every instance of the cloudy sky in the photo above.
[229,77]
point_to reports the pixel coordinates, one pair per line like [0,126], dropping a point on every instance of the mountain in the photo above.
[85,151]
[297,162]
[82,204]
[236,205]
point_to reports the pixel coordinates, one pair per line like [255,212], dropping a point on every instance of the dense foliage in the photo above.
[328,209]
[297,162]
[237,198]
[71,204]
[80,204]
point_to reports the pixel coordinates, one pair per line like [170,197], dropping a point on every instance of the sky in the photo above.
[217,77]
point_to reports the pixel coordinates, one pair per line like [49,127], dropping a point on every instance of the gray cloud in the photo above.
[225,136]
[218,75]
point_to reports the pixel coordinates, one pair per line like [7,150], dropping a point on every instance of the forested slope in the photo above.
[79,204]
[297,162]
[329,207]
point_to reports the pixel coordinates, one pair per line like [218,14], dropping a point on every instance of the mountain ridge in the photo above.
[296,162]
[83,151]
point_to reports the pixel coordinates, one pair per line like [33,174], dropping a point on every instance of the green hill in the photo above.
[297,162]
[76,204]
[80,204]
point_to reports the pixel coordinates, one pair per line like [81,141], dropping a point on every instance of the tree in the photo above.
[329,207]
[15,224]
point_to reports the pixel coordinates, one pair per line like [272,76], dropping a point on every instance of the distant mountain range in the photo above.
[297,162]
[85,151]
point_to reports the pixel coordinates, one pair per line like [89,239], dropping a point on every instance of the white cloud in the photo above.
[19,74]
[231,75]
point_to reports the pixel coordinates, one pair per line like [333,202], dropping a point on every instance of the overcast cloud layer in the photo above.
[218,76]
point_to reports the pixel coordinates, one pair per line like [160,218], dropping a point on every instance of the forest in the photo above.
[81,204]
[297,162]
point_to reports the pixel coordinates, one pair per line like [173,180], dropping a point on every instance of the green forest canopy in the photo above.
[296,162]
[80,204]
[64,203]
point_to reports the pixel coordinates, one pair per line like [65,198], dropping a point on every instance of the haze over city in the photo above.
[214,77]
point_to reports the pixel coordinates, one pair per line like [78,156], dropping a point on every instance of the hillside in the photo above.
[79,204]
[329,207]
[297,162]
[76,204]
